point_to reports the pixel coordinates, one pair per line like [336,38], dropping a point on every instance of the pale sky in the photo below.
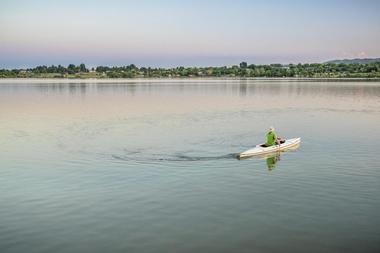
[186,33]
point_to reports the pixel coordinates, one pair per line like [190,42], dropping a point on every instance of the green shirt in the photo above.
[271,138]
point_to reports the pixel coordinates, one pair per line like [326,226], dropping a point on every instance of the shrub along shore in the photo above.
[314,70]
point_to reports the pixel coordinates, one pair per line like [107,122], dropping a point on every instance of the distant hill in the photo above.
[357,61]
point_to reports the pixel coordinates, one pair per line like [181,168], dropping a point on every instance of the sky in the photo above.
[168,33]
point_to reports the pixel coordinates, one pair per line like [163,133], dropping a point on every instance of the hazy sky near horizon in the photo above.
[189,33]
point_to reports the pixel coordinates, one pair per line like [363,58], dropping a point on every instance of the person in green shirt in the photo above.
[272,138]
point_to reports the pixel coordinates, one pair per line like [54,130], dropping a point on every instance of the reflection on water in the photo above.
[241,87]
[272,160]
[149,166]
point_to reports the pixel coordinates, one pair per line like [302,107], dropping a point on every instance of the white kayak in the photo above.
[259,150]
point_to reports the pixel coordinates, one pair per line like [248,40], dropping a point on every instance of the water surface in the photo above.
[148,166]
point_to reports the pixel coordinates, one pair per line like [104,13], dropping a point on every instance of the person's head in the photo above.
[271,129]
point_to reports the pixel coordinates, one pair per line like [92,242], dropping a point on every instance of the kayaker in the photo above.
[272,138]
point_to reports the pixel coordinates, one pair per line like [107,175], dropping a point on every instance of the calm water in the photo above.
[148,166]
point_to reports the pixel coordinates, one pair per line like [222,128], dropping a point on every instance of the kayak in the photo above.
[259,150]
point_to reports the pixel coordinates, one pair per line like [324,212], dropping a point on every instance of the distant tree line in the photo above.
[316,70]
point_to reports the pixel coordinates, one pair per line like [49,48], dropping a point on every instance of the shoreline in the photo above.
[180,79]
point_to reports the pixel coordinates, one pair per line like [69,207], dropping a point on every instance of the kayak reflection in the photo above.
[271,159]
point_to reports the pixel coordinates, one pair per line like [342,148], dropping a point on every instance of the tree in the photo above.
[243,65]
[82,68]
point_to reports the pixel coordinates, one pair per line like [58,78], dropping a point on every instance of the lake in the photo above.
[149,166]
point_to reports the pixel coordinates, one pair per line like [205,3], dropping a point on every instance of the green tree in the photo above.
[82,68]
[243,65]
